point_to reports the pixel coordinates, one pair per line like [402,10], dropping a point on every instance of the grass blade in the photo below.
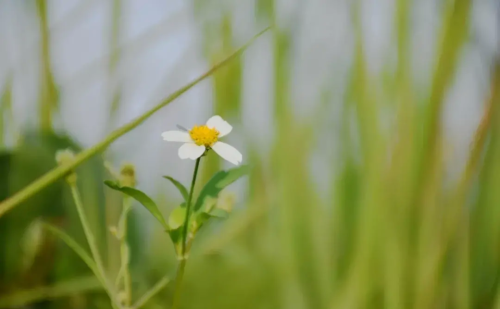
[23,298]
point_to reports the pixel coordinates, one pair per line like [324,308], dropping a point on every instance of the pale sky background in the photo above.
[172,55]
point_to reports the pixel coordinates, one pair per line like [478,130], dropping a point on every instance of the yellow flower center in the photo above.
[203,135]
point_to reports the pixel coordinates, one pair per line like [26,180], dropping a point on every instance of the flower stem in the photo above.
[186,244]
[178,282]
[188,208]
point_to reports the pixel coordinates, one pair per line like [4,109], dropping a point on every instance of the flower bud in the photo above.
[127,175]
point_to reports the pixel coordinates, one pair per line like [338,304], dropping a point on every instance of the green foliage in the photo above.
[18,167]
[184,192]
[175,227]
[141,197]
[176,218]
[218,213]
[217,183]
[392,230]
[74,246]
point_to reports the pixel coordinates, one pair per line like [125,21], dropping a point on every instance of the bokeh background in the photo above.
[372,127]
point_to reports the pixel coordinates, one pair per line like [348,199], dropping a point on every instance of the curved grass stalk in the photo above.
[152,292]
[62,289]
[77,249]
[83,156]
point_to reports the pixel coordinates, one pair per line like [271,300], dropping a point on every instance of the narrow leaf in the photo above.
[179,186]
[203,216]
[219,213]
[218,182]
[82,253]
[29,297]
[141,197]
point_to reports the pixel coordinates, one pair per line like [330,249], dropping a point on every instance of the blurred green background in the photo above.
[373,129]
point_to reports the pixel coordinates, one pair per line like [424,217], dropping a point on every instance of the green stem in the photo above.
[186,244]
[152,292]
[188,208]
[91,241]
[178,282]
[125,253]
[62,170]
[23,298]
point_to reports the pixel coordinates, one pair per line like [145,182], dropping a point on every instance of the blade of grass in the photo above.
[63,289]
[454,37]
[401,173]
[431,249]
[48,92]
[5,106]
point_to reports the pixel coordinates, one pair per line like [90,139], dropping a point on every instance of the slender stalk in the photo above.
[62,170]
[186,243]
[23,298]
[92,243]
[125,253]
[178,282]
[86,228]
[188,208]
[152,292]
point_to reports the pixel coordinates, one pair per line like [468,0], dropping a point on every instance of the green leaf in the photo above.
[176,237]
[175,222]
[141,197]
[176,218]
[82,253]
[199,219]
[202,217]
[219,213]
[218,182]
[179,186]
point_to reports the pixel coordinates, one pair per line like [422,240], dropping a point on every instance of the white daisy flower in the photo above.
[200,139]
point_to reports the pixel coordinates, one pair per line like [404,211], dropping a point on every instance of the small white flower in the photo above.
[200,139]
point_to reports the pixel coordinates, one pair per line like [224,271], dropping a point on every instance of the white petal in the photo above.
[176,136]
[191,151]
[220,125]
[228,152]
